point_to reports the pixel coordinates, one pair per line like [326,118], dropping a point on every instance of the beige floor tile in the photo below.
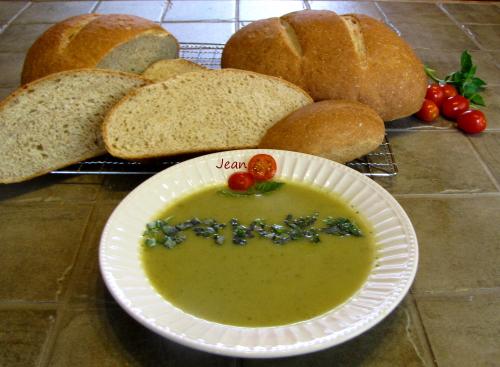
[147,9]
[435,162]
[201,32]
[463,331]
[432,36]
[20,37]
[115,188]
[422,13]
[48,189]
[394,339]
[253,10]
[22,335]
[446,62]
[492,109]
[44,239]
[474,13]
[9,9]
[488,36]
[201,10]
[4,92]
[488,146]
[54,11]
[11,65]
[86,284]
[347,7]
[459,243]
[109,337]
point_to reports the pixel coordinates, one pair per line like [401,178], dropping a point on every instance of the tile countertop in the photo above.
[55,311]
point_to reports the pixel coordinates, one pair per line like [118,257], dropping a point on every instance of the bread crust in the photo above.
[82,41]
[339,130]
[352,57]
[26,87]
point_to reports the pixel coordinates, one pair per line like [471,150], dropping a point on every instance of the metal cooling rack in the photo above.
[378,163]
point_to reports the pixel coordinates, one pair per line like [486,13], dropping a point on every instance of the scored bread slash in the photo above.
[55,121]
[199,112]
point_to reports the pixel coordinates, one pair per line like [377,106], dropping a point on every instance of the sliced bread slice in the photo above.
[199,112]
[168,68]
[55,121]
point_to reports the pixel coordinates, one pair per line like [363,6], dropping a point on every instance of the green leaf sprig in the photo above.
[464,80]
[260,188]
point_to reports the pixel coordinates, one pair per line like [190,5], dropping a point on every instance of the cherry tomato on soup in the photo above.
[435,94]
[240,181]
[454,106]
[262,167]
[472,121]
[448,90]
[429,111]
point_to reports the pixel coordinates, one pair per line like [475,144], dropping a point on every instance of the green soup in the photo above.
[260,283]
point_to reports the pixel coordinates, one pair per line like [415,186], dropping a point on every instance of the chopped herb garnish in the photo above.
[159,232]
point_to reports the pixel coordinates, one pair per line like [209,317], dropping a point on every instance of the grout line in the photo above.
[48,345]
[427,343]
[458,195]
[386,19]
[457,293]
[11,20]
[484,165]
[167,5]
[93,9]
[237,15]
[460,26]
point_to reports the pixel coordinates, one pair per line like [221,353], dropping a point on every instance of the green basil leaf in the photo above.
[477,99]
[268,186]
[431,73]
[466,62]
[469,89]
[479,82]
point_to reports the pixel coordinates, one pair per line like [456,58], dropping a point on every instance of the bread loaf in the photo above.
[337,130]
[119,42]
[56,121]
[166,69]
[199,112]
[350,57]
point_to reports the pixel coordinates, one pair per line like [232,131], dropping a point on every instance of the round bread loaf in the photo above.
[338,130]
[115,41]
[350,57]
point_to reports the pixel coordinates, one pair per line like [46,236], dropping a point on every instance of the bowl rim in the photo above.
[265,352]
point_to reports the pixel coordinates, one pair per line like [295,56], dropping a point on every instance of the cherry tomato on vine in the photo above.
[435,94]
[472,121]
[448,91]
[262,167]
[240,181]
[454,106]
[429,111]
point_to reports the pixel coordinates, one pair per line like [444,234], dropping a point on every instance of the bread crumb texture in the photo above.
[55,121]
[200,111]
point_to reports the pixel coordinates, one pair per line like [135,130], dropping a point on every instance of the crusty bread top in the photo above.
[351,57]
[82,41]
[168,68]
[199,112]
[335,129]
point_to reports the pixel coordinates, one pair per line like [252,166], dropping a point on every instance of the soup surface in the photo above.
[260,283]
